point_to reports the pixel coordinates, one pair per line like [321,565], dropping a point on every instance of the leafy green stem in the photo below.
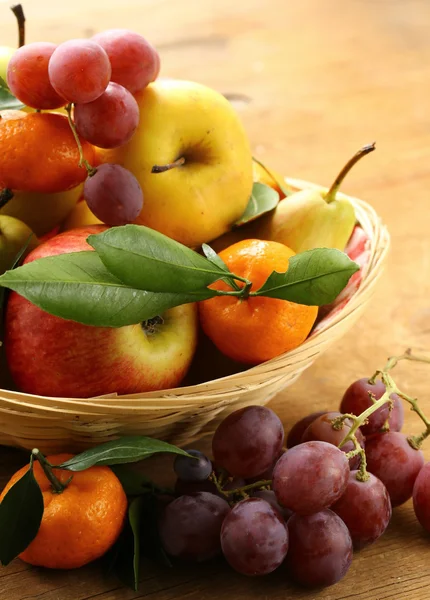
[57,486]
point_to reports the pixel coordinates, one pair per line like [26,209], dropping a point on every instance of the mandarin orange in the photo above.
[39,153]
[81,523]
[257,328]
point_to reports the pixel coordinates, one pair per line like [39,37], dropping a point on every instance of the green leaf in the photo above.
[126,554]
[314,277]
[21,512]
[217,260]
[127,449]
[8,100]
[148,260]
[263,199]
[78,287]
[133,483]
[150,535]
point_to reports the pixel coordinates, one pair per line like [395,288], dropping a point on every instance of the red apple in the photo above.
[50,356]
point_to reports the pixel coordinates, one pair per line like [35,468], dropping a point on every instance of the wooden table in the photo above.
[323,78]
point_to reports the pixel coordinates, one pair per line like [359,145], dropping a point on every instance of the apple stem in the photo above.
[18,11]
[163,168]
[5,195]
[331,194]
[57,486]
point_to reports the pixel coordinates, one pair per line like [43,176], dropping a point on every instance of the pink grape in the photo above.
[393,460]
[248,441]
[110,120]
[190,526]
[365,508]
[356,400]
[28,79]
[310,477]
[296,432]
[270,497]
[320,549]
[79,70]
[113,194]
[254,537]
[421,497]
[135,62]
[321,429]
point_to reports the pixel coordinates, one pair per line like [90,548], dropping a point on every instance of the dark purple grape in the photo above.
[297,430]
[321,429]
[365,508]
[190,526]
[193,470]
[393,460]
[310,477]
[113,194]
[356,400]
[421,497]
[248,441]
[397,415]
[270,497]
[254,537]
[320,549]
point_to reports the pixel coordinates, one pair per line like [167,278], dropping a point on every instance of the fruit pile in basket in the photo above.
[153,226]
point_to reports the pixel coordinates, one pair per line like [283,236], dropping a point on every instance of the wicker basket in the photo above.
[182,414]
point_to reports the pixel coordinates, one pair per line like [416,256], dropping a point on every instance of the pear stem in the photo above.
[18,11]
[5,195]
[163,168]
[331,194]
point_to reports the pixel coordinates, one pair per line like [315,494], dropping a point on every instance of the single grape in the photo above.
[28,79]
[356,400]
[397,415]
[297,430]
[79,70]
[320,550]
[393,460]
[254,537]
[190,526]
[365,508]
[421,497]
[310,477]
[248,441]
[193,470]
[113,194]
[135,62]
[321,429]
[270,497]
[110,120]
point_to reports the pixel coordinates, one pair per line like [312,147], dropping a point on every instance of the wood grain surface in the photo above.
[315,81]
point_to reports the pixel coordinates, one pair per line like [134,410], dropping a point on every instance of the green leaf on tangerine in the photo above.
[78,287]
[148,260]
[127,449]
[263,199]
[7,99]
[126,552]
[133,482]
[21,512]
[315,277]
[217,260]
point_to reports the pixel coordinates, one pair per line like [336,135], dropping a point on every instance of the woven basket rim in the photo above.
[237,383]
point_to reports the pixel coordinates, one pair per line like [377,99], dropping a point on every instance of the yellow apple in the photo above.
[81,216]
[5,56]
[200,199]
[42,212]
[14,234]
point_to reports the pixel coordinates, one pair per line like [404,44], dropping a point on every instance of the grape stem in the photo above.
[18,11]
[82,160]
[390,389]
[242,491]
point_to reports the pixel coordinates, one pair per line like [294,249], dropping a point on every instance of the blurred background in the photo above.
[314,81]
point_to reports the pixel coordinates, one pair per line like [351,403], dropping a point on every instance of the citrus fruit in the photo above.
[255,329]
[81,523]
[268,177]
[39,153]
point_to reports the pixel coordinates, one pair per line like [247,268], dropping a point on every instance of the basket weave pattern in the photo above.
[182,414]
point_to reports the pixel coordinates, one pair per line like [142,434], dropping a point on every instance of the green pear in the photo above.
[14,234]
[313,218]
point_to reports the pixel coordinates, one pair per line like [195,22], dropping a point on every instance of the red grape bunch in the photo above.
[99,77]
[303,508]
